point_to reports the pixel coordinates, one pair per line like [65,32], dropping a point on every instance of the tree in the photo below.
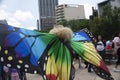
[63,22]
[95,25]
[75,25]
[108,23]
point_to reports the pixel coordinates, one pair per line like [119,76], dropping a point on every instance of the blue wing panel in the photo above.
[27,32]
[30,40]
[23,49]
[81,36]
[37,50]
[12,39]
[24,43]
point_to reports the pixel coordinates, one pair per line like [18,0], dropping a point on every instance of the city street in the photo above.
[82,74]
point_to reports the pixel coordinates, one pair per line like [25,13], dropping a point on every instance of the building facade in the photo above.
[113,3]
[47,13]
[69,12]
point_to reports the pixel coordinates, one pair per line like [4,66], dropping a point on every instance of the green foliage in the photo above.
[107,24]
[76,25]
[63,22]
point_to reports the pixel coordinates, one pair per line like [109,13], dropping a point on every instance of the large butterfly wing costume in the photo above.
[45,54]
[86,36]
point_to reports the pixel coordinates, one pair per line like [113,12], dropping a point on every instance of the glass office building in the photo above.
[47,13]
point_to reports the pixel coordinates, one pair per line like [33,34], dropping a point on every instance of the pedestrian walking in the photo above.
[116,42]
[100,47]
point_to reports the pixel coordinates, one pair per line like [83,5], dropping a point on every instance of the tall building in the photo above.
[47,13]
[113,3]
[69,12]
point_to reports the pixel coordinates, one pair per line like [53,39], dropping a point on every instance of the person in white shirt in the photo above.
[116,42]
[100,47]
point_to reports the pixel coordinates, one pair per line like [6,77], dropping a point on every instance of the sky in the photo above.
[24,13]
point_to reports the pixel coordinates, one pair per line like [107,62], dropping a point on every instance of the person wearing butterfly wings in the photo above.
[47,54]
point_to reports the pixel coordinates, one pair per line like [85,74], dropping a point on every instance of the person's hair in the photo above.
[116,34]
[62,32]
[98,37]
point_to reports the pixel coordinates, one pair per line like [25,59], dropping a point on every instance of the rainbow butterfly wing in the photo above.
[59,61]
[21,48]
[83,46]
[36,52]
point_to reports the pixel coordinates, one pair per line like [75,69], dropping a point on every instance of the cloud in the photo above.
[13,21]
[17,18]
[9,17]
[3,6]
[3,14]
[88,9]
[23,15]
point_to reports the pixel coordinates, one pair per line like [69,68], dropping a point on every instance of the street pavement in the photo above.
[82,74]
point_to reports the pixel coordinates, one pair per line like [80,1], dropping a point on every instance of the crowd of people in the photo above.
[110,45]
